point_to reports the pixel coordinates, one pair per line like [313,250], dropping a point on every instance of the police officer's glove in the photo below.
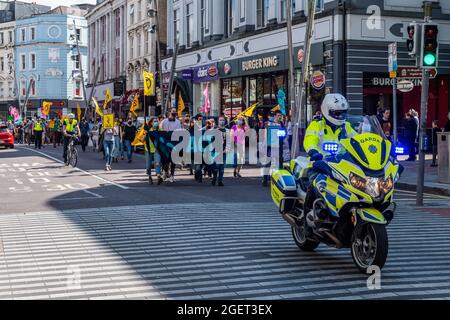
[315,155]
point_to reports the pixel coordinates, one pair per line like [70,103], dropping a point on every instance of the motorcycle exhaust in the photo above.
[339,244]
[289,218]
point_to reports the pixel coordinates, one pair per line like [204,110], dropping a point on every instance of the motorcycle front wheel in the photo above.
[370,246]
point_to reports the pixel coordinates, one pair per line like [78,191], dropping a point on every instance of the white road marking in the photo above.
[425,194]
[81,170]
[94,194]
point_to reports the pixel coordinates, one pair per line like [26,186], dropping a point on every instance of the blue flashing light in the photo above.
[281,133]
[331,147]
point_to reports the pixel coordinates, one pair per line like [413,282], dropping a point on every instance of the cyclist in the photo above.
[70,128]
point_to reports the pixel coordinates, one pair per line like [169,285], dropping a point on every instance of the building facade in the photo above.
[238,50]
[9,12]
[107,24]
[46,52]
[142,42]
[7,69]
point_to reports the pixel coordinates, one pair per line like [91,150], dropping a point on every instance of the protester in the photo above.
[117,132]
[84,129]
[238,133]
[28,131]
[152,156]
[434,141]
[129,134]
[386,123]
[108,147]
[170,125]
[415,116]
[410,125]
[197,131]
[219,163]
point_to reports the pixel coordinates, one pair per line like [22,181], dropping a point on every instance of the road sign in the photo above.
[393,65]
[414,73]
[405,86]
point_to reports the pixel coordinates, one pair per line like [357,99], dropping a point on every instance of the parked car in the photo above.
[6,137]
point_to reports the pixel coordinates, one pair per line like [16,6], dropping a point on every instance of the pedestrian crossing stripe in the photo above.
[182,251]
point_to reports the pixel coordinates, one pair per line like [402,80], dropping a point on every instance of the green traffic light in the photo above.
[429,59]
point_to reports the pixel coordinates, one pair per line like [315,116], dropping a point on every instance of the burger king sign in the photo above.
[318,80]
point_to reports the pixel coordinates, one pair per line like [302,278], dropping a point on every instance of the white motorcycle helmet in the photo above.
[334,109]
[71,116]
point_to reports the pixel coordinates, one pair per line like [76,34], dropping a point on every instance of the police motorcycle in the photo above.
[350,202]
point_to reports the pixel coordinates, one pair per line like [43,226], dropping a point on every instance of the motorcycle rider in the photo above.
[330,128]
[70,127]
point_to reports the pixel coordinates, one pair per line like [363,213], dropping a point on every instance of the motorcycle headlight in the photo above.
[373,187]
[358,182]
[387,185]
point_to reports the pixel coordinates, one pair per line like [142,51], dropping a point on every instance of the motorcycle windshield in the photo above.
[370,147]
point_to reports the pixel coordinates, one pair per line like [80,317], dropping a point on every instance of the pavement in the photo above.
[408,181]
[85,233]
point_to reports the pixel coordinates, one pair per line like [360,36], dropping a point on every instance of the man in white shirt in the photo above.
[171,123]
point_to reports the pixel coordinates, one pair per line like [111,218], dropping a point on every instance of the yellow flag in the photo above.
[149,84]
[108,121]
[46,107]
[135,105]
[79,112]
[277,108]
[97,108]
[181,106]
[140,138]
[108,98]
[247,112]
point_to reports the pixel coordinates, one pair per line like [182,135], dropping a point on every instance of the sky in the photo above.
[55,3]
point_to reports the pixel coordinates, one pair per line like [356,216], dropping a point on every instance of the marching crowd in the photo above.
[119,142]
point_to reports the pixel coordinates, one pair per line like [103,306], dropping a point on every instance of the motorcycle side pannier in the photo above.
[283,186]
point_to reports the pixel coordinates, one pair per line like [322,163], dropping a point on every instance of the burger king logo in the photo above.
[212,71]
[318,80]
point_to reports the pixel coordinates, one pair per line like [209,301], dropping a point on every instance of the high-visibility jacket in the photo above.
[319,133]
[70,127]
[38,126]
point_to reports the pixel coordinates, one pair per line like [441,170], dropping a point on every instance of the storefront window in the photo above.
[233,91]
[267,91]
[253,96]
[237,94]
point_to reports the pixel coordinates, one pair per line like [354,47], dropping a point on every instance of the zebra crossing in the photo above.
[207,251]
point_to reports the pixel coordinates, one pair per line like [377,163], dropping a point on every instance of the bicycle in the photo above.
[72,152]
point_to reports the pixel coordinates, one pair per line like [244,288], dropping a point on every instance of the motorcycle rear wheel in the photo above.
[299,234]
[370,246]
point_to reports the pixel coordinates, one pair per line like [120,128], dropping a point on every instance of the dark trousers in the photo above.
[84,142]
[169,166]
[219,170]
[412,149]
[66,141]
[435,153]
[56,138]
[38,139]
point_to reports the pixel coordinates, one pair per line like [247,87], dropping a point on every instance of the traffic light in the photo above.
[430,46]
[413,42]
